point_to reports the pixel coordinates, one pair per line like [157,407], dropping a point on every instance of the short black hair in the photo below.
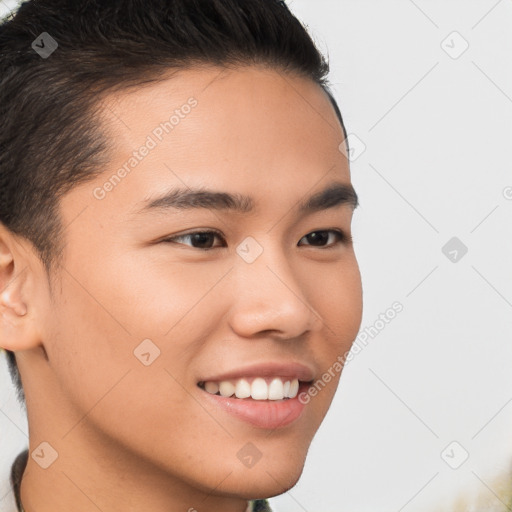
[50,138]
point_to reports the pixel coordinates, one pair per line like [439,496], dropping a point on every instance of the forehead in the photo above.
[252,130]
[246,107]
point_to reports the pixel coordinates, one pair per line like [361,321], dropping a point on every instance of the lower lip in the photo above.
[267,414]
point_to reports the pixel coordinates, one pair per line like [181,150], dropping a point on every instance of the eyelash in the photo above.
[343,238]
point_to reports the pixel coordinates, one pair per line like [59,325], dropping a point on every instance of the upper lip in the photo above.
[292,370]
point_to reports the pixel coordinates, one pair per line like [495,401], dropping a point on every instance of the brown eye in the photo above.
[319,238]
[204,240]
[199,239]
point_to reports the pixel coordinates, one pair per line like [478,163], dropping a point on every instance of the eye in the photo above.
[319,237]
[202,239]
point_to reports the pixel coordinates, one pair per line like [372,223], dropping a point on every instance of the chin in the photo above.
[268,478]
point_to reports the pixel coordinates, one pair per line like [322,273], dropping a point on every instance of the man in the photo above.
[177,275]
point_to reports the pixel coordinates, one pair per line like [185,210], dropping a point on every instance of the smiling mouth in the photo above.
[255,388]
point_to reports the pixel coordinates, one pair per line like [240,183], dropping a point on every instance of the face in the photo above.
[167,302]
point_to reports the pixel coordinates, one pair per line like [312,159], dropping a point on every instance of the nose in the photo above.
[269,298]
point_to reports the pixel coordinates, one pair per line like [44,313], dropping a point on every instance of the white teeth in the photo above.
[226,388]
[242,389]
[259,389]
[278,389]
[294,388]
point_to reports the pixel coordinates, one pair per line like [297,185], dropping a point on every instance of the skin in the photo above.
[131,437]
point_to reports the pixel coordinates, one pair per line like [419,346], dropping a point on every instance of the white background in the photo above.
[438,136]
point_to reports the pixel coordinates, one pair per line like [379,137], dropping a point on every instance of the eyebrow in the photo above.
[334,195]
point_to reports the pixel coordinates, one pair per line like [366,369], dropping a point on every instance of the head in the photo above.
[105,293]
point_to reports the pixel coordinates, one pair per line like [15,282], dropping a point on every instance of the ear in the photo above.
[18,326]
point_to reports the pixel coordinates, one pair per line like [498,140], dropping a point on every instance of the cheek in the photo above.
[90,347]
[109,389]
[114,316]
[155,295]
[340,304]
[338,300]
